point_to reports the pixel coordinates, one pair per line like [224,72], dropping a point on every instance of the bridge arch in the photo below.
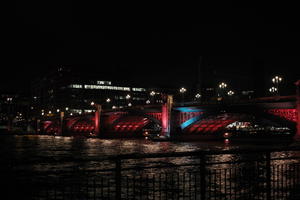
[82,126]
[133,123]
[215,122]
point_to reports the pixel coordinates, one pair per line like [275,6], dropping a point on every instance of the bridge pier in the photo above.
[97,119]
[297,136]
[166,116]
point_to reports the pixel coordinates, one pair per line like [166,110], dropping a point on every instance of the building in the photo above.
[66,89]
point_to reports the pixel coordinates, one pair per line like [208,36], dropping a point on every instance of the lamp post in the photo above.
[198,96]
[273,90]
[277,80]
[222,87]
[182,92]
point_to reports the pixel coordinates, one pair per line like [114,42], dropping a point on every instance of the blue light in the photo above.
[188,109]
[190,121]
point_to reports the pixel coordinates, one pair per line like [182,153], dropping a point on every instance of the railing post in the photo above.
[297,136]
[118,178]
[203,176]
[268,174]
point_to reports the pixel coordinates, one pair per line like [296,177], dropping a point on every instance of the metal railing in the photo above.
[204,175]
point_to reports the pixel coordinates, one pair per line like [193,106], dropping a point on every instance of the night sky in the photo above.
[147,47]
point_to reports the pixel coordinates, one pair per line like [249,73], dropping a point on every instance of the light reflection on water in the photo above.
[55,153]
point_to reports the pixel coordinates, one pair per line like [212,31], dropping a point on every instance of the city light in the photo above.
[67,108]
[92,103]
[71,114]
[182,90]
[276,80]
[198,96]
[108,100]
[152,93]
[230,93]
[130,104]
[114,107]
[49,112]
[148,102]
[222,85]
[273,89]
[128,96]
[57,110]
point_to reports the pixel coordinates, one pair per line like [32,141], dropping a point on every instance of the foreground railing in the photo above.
[235,174]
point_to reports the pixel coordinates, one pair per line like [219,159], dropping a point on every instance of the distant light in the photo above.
[152,93]
[108,100]
[92,103]
[43,113]
[67,108]
[230,93]
[182,90]
[222,85]
[198,96]
[148,102]
[71,114]
[130,104]
[128,96]
[114,107]
[35,97]
[80,113]
[31,108]
[57,110]
[49,112]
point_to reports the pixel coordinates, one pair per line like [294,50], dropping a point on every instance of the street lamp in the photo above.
[182,92]
[198,96]
[222,85]
[273,89]
[277,80]
[230,93]
[152,93]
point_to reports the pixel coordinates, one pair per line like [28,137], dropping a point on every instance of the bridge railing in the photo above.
[232,174]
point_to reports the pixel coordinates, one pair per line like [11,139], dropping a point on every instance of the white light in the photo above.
[130,104]
[50,112]
[148,102]
[198,96]
[57,110]
[71,114]
[42,113]
[108,100]
[92,103]
[152,93]
[128,96]
[222,85]
[230,93]
[67,108]
[114,107]
[182,90]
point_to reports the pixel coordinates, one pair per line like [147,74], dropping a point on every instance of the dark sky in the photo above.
[147,46]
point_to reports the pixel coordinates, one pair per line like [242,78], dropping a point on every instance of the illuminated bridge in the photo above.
[187,119]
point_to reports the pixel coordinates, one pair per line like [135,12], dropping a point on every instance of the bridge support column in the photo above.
[166,115]
[97,119]
[297,136]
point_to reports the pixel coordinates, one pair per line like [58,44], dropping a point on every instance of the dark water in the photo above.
[40,158]
[55,153]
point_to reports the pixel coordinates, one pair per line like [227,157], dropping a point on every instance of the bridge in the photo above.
[185,119]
